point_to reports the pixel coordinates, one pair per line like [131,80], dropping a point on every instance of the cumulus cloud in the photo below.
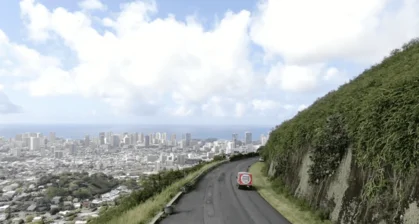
[293,77]
[304,31]
[92,5]
[144,60]
[19,60]
[149,66]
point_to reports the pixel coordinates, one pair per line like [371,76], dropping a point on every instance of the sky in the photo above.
[235,62]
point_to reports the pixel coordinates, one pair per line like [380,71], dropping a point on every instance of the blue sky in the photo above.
[187,62]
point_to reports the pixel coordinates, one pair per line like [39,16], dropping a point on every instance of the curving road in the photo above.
[216,200]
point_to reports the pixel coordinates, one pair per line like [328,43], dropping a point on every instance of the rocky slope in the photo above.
[356,149]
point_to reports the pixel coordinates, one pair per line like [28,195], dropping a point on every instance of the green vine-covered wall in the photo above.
[377,116]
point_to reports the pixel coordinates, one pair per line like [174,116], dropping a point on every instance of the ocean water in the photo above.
[78,131]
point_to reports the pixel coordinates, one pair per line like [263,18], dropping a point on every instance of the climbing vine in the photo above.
[329,146]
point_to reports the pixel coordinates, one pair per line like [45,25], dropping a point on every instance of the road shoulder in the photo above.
[295,213]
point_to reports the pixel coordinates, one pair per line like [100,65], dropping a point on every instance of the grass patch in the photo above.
[144,212]
[293,209]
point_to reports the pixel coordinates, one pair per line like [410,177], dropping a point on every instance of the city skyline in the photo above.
[106,137]
[75,131]
[59,171]
[225,62]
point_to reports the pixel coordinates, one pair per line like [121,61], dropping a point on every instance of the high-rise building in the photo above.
[234,141]
[109,138]
[26,141]
[86,140]
[73,149]
[115,141]
[173,140]
[133,138]
[52,137]
[248,138]
[34,143]
[188,138]
[126,140]
[141,138]
[146,141]
[102,138]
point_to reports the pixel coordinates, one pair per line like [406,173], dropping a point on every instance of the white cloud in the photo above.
[304,31]
[6,106]
[149,59]
[139,64]
[294,78]
[92,5]
[240,109]
[214,108]
[263,105]
[38,19]
[331,73]
[52,81]
[302,107]
[182,111]
[19,60]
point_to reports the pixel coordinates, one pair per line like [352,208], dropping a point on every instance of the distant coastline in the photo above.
[78,131]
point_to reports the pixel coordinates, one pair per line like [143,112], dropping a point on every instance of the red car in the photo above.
[244,180]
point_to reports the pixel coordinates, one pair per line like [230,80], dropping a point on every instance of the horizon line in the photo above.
[133,124]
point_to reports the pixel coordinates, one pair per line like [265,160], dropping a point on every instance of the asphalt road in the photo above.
[216,200]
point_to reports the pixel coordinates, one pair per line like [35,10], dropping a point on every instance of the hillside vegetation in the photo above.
[79,185]
[357,148]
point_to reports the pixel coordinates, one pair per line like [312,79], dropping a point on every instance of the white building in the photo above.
[34,143]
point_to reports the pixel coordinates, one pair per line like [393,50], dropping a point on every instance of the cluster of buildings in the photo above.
[28,156]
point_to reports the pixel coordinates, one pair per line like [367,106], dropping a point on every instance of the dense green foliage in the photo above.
[329,146]
[376,114]
[130,183]
[240,156]
[79,185]
[260,149]
[219,157]
[151,186]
